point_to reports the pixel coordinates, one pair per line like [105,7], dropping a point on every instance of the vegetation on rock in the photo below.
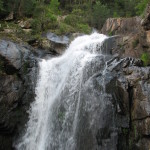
[146,59]
[76,15]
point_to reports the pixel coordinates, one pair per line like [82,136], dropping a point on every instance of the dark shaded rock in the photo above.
[146,20]
[17,81]
[11,53]
[131,89]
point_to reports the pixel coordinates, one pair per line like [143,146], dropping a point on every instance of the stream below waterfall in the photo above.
[71,110]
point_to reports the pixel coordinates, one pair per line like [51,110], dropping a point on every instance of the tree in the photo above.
[141,6]
[100,13]
[1,5]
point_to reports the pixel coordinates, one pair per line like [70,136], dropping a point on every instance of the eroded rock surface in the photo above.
[17,81]
[133,35]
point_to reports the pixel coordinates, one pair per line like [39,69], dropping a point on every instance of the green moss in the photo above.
[61,116]
[145,58]
[125,131]
[130,143]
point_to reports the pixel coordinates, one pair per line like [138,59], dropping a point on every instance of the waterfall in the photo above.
[68,109]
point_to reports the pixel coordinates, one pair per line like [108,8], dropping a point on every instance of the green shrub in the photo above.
[1,5]
[146,59]
[36,25]
[84,28]
[72,20]
[99,14]
[64,29]
[141,6]
[54,6]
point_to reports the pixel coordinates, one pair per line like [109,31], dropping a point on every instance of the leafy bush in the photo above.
[77,20]
[76,17]
[1,5]
[64,28]
[146,59]
[84,28]
[44,18]
[141,6]
[72,20]
[54,6]
[100,14]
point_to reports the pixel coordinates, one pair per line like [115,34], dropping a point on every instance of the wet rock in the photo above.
[134,82]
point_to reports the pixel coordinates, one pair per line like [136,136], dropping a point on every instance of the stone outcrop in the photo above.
[17,81]
[133,35]
[121,26]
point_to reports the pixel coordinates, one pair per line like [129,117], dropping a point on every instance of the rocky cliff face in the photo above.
[17,81]
[133,34]
[131,89]
[133,80]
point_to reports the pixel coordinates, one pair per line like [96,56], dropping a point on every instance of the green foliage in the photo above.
[1,5]
[64,28]
[77,20]
[84,28]
[61,116]
[141,6]
[54,6]
[125,131]
[99,14]
[44,18]
[146,59]
[81,14]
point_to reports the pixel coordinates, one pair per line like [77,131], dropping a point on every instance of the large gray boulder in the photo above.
[12,54]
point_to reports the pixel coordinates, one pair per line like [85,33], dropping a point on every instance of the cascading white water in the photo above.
[54,115]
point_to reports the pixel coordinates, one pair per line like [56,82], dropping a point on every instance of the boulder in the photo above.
[12,54]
